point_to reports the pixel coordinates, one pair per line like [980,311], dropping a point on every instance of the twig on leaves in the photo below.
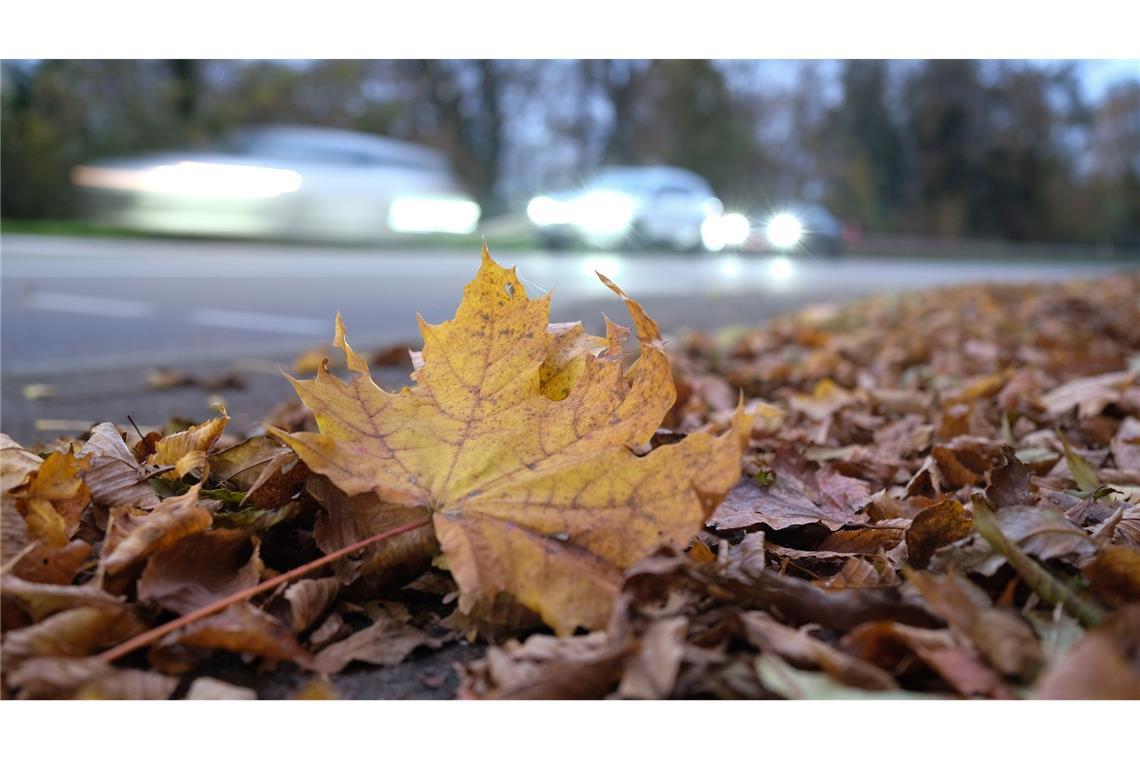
[1037,577]
[154,634]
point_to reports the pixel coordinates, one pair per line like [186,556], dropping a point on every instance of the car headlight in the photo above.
[451,215]
[785,230]
[719,232]
[603,212]
[193,179]
[545,211]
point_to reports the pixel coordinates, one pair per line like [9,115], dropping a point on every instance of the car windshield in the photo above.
[289,148]
[627,180]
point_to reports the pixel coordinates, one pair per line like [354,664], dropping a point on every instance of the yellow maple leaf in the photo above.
[517,437]
[186,450]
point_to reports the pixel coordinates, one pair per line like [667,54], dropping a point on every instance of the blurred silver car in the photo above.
[636,206]
[283,182]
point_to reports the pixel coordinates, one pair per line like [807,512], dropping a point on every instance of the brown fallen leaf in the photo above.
[76,632]
[181,578]
[308,599]
[87,678]
[42,564]
[861,573]
[41,600]
[934,527]
[240,628]
[387,641]
[1089,394]
[1009,484]
[1114,574]
[531,496]
[803,651]
[652,670]
[799,495]
[888,645]
[1041,531]
[1000,635]
[134,535]
[1126,445]
[546,667]
[1103,664]
[242,463]
[348,520]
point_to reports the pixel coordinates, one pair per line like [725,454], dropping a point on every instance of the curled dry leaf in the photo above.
[531,494]
[199,438]
[16,465]
[134,535]
[308,599]
[75,632]
[115,478]
[652,671]
[41,600]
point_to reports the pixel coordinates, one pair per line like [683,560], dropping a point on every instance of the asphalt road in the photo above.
[74,303]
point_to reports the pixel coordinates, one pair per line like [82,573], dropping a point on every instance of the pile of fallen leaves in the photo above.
[925,495]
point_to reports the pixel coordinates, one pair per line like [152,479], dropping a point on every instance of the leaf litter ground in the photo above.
[925,495]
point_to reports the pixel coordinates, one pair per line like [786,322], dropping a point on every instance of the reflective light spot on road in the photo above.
[610,266]
[729,267]
[780,268]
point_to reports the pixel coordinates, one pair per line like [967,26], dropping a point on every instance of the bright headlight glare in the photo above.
[603,212]
[719,232]
[736,228]
[449,215]
[785,230]
[712,234]
[193,179]
[545,211]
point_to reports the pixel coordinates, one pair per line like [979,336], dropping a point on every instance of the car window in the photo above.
[674,193]
[315,152]
[626,180]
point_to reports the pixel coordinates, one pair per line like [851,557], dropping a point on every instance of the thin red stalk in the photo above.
[154,634]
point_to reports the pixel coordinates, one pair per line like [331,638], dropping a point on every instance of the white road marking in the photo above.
[258,321]
[91,305]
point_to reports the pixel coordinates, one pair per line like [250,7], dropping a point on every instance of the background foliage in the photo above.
[952,148]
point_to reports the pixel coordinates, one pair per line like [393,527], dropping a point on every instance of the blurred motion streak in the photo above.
[279,182]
